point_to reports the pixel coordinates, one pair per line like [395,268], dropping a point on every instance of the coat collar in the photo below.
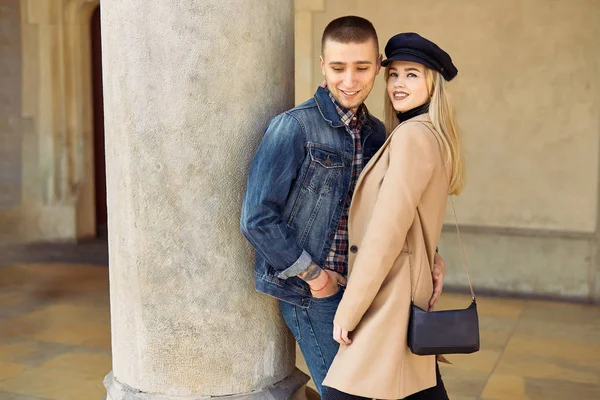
[376,156]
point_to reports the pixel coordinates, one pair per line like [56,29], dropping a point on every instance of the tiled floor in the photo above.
[54,331]
[55,341]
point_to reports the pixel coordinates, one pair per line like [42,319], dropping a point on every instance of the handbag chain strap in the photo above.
[462,246]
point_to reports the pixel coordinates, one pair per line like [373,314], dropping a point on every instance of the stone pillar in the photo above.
[190,86]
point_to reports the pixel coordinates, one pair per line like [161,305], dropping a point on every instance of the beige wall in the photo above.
[10,105]
[24,214]
[527,98]
[48,190]
[528,103]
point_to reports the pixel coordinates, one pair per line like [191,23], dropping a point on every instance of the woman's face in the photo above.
[406,85]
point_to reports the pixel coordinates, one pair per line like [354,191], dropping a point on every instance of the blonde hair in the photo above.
[442,118]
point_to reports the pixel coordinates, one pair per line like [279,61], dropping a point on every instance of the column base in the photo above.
[292,388]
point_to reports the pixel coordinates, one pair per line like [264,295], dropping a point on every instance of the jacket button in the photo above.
[348,164]
[341,201]
[331,235]
[353,249]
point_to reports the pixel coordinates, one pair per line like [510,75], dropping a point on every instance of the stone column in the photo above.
[190,86]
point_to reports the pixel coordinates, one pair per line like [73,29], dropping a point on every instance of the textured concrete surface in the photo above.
[189,89]
[291,388]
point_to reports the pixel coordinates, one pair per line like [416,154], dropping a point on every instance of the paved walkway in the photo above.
[55,341]
[530,350]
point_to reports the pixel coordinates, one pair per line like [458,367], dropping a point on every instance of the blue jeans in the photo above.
[312,328]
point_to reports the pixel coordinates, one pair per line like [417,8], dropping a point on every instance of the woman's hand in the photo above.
[439,270]
[340,335]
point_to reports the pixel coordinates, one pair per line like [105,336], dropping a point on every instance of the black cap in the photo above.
[413,47]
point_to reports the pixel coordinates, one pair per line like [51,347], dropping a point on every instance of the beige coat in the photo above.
[401,193]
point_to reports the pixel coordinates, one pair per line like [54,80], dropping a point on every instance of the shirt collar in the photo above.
[347,115]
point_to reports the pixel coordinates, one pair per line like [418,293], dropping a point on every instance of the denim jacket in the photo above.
[298,180]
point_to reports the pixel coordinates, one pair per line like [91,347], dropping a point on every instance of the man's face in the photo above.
[350,70]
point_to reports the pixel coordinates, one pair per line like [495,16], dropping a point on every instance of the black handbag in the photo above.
[448,331]
[443,332]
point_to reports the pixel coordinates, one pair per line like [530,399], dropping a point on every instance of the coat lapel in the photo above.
[373,160]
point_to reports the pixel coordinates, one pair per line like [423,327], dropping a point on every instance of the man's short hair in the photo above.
[350,29]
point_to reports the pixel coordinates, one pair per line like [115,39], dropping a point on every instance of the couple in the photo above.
[333,193]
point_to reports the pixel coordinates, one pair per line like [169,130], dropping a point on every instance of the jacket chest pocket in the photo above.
[326,168]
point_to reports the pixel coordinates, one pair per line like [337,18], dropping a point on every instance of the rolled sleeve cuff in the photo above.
[299,266]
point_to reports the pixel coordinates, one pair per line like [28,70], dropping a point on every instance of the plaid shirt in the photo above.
[337,259]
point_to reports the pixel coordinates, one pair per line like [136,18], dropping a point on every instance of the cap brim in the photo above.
[407,57]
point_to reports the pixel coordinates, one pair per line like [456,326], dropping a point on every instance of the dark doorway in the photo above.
[99,154]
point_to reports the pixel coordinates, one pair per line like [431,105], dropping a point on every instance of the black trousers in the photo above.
[438,392]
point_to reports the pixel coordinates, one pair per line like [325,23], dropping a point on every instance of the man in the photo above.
[300,184]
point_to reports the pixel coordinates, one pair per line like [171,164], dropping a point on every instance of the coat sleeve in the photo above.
[411,165]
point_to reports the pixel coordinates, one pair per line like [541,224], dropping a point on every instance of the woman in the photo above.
[399,204]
